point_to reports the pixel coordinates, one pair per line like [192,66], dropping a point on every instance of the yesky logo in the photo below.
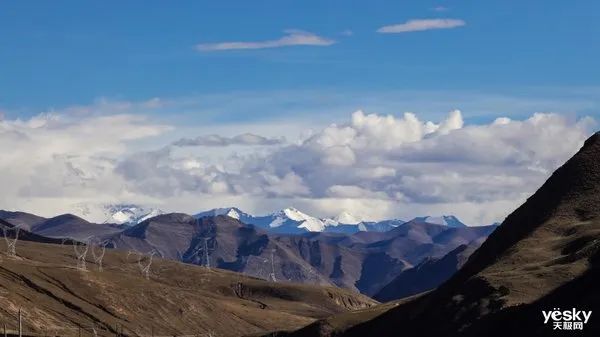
[572,319]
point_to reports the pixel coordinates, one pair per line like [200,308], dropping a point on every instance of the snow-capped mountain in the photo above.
[344,223]
[121,214]
[129,214]
[445,220]
[291,220]
[347,219]
[232,212]
[383,226]
[288,220]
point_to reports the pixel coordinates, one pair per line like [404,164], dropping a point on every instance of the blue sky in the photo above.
[62,53]
[190,105]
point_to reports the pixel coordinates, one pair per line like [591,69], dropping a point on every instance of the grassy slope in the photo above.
[176,299]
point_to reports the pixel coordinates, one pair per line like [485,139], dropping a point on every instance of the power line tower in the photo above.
[206,253]
[272,274]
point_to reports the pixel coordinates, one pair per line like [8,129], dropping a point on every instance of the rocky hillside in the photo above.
[364,262]
[427,275]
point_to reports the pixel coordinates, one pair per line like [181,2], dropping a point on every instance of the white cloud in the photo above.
[377,166]
[417,25]
[218,141]
[402,161]
[51,161]
[290,184]
[292,37]
[353,192]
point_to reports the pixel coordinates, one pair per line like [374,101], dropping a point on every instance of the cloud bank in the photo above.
[377,166]
[52,161]
[292,37]
[418,25]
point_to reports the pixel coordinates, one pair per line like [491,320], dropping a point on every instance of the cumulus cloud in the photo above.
[378,166]
[50,161]
[217,140]
[401,161]
[292,37]
[421,25]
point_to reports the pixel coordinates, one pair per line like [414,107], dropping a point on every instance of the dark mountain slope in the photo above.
[221,242]
[72,226]
[413,241]
[21,219]
[65,225]
[25,235]
[314,258]
[427,275]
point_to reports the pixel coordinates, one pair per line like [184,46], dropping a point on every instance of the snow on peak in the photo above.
[347,219]
[313,225]
[129,214]
[444,220]
[294,214]
[293,217]
[292,220]
[231,212]
[153,212]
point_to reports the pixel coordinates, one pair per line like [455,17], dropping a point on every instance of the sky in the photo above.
[385,109]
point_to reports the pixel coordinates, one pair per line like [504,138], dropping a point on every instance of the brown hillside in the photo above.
[176,299]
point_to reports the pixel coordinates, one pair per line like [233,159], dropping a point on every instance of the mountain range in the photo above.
[293,221]
[364,261]
[228,238]
[288,220]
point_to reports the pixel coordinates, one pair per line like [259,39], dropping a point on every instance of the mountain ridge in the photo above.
[314,257]
[363,261]
[290,220]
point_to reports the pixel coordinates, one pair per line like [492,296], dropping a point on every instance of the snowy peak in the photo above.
[287,220]
[347,218]
[291,218]
[345,223]
[231,212]
[294,214]
[382,226]
[444,220]
[129,214]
